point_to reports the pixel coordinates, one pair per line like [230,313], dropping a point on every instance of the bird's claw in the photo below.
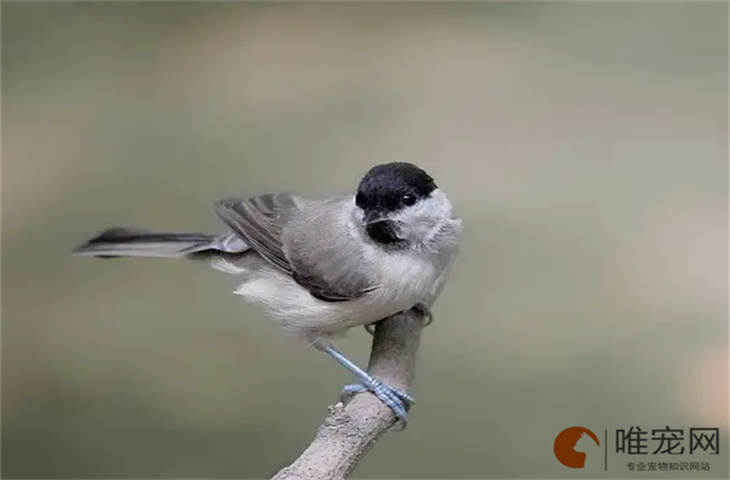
[420,308]
[397,400]
[425,313]
[370,327]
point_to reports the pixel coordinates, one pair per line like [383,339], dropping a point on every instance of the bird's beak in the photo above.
[374,217]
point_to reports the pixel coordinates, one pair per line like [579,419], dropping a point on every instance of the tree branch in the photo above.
[350,431]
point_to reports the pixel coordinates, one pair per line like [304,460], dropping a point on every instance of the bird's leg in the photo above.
[398,401]
[420,308]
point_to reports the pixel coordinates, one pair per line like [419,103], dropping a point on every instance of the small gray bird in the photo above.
[320,267]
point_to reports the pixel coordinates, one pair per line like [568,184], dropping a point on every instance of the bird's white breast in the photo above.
[404,280]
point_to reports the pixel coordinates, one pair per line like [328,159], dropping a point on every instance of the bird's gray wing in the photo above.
[259,222]
[327,292]
[326,257]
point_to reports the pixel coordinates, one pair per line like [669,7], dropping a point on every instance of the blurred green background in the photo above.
[585,146]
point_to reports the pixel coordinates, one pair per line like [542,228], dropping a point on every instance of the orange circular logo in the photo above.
[564,446]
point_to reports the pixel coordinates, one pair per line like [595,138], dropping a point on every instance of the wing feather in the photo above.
[259,222]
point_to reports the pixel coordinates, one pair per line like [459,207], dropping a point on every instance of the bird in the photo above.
[320,267]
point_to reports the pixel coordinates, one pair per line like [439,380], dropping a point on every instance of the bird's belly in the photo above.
[295,309]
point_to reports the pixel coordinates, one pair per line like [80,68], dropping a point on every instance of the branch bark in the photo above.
[350,431]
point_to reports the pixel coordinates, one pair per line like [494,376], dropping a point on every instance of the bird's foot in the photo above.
[397,400]
[370,327]
[425,313]
[420,308]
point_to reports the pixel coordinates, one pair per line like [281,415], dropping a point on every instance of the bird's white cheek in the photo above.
[418,227]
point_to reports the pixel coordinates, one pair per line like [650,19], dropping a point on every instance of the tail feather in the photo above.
[132,242]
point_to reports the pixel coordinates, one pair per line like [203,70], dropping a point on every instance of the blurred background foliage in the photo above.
[584,144]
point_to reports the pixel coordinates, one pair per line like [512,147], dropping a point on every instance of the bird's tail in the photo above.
[132,242]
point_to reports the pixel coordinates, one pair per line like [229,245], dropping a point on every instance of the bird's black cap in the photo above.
[391,186]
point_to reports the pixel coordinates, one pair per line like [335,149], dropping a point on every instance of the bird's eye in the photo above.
[359,200]
[408,199]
